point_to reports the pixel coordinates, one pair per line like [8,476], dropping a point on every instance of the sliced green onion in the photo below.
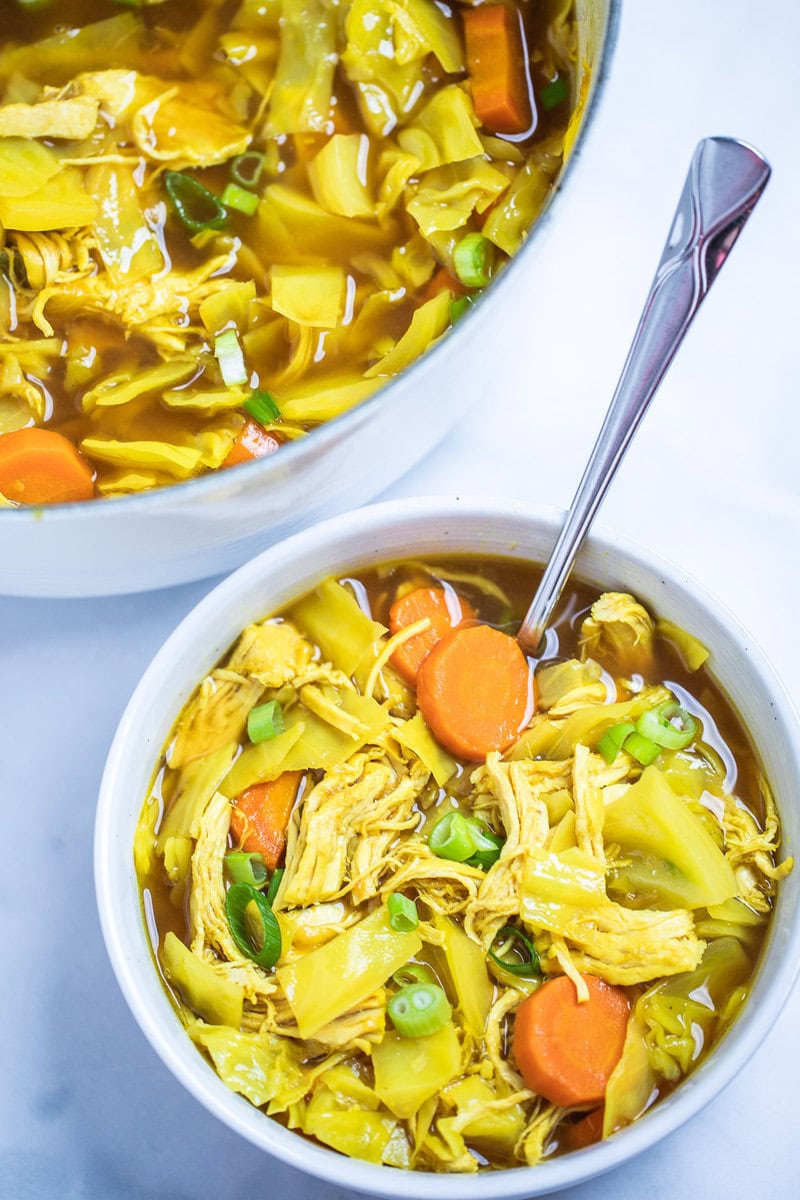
[419,1009]
[403,915]
[553,93]
[458,307]
[244,867]
[610,743]
[262,408]
[228,354]
[240,901]
[265,721]
[658,724]
[195,205]
[240,199]
[473,260]
[247,168]
[274,884]
[641,748]
[452,838]
[413,973]
[487,845]
[513,951]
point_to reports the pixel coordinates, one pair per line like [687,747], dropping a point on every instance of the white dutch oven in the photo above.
[209,525]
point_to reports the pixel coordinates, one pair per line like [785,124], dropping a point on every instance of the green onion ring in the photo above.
[413,973]
[514,937]
[473,260]
[240,199]
[247,168]
[274,884]
[246,867]
[265,721]
[641,748]
[262,408]
[657,725]
[237,901]
[403,915]
[452,838]
[419,1009]
[195,205]
[612,740]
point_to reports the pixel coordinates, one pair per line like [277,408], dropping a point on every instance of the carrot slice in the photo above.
[585,1132]
[40,466]
[261,815]
[444,610]
[497,67]
[252,442]
[475,690]
[566,1049]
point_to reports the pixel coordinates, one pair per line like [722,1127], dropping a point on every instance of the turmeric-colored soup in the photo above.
[223,222]
[439,906]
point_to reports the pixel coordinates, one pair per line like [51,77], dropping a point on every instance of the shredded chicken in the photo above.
[619,629]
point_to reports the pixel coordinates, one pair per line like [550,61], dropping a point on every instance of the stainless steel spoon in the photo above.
[725,180]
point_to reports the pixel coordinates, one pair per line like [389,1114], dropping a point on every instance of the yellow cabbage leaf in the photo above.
[353,965]
[415,736]
[428,323]
[61,203]
[196,784]
[466,967]
[290,227]
[260,763]
[121,388]
[301,92]
[309,295]
[25,166]
[257,1065]
[127,245]
[385,87]
[509,221]
[483,1118]
[330,617]
[427,31]
[446,197]
[214,997]
[408,1070]
[449,120]
[88,48]
[322,397]
[179,462]
[674,861]
[229,308]
[692,650]
[349,1129]
[338,175]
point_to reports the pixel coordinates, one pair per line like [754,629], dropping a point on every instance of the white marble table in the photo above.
[86,1109]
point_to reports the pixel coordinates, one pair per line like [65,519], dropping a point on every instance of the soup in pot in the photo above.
[223,222]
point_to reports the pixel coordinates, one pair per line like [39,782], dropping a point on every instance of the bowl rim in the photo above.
[161,1024]
[293,453]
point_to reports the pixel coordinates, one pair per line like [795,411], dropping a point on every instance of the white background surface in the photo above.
[86,1109]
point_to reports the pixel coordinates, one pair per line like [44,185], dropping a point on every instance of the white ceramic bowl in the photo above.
[397,530]
[209,525]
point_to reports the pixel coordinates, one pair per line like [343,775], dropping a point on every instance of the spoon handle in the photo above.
[725,180]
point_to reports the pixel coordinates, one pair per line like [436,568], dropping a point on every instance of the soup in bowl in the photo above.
[492,947]
[228,226]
